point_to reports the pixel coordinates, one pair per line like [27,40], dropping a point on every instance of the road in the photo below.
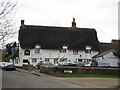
[15,79]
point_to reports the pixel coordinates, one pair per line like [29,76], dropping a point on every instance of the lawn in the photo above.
[86,75]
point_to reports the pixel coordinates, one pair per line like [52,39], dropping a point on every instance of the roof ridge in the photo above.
[59,27]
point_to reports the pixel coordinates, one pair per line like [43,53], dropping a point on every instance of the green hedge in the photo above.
[84,70]
[27,67]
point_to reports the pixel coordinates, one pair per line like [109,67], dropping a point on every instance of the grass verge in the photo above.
[86,75]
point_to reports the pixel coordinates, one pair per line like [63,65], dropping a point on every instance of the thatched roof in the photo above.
[55,37]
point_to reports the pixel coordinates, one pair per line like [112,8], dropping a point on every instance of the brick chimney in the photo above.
[22,22]
[73,23]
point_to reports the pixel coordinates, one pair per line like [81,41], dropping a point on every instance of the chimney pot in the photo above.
[22,22]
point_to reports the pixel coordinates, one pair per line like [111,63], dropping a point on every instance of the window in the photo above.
[25,61]
[55,60]
[63,59]
[75,52]
[62,51]
[37,50]
[88,49]
[27,52]
[46,59]
[34,60]
[79,60]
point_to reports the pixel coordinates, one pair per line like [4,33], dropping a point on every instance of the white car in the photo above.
[2,64]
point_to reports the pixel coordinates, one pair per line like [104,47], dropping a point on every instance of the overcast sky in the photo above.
[99,14]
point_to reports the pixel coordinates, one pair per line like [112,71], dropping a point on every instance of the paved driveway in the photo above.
[94,82]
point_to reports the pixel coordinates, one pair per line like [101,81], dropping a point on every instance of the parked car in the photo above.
[68,63]
[118,64]
[2,64]
[56,64]
[45,63]
[9,66]
[99,63]
[83,62]
[61,63]
[79,63]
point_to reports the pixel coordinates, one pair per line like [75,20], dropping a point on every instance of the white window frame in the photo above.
[88,49]
[27,52]
[62,51]
[37,49]
[34,60]
[63,59]
[47,59]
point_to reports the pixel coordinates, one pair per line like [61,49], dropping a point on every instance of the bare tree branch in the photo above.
[7,8]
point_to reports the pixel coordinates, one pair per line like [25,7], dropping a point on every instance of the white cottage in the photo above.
[55,44]
[110,52]
[109,56]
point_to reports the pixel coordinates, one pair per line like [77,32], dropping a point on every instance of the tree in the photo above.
[11,51]
[7,8]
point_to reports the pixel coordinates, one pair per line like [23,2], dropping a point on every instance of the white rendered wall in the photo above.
[49,53]
[111,59]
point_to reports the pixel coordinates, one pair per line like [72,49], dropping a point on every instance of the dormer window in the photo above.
[65,47]
[27,52]
[88,49]
[37,49]
[63,50]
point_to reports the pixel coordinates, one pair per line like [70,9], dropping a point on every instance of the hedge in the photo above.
[84,70]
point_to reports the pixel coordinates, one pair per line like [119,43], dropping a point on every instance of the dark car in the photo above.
[9,66]
[99,63]
[118,64]
[45,63]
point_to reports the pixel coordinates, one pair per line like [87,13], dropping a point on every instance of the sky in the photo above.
[102,15]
